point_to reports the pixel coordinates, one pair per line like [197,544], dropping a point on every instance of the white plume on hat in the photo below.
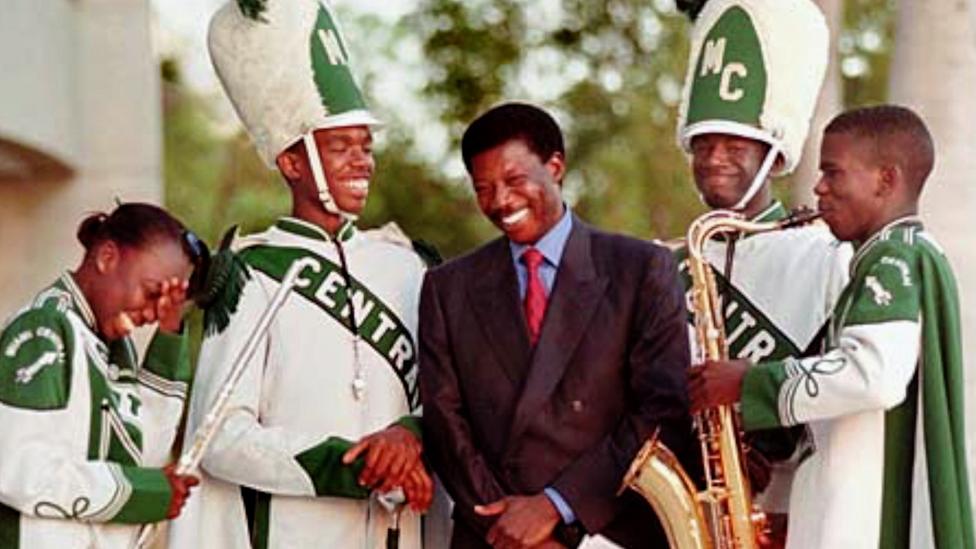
[794,40]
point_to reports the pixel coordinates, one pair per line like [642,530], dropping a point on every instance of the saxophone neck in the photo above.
[798,217]
[718,222]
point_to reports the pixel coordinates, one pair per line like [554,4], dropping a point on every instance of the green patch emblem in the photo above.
[882,297]
[42,347]
[730,78]
[33,356]
[903,269]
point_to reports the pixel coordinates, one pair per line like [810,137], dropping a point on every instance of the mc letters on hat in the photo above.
[755,70]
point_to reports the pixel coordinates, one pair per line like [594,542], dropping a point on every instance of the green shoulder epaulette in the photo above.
[393,234]
[35,359]
[224,283]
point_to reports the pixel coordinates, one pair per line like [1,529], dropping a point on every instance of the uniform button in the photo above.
[577,406]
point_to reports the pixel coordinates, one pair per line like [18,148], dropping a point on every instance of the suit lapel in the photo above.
[575,296]
[495,302]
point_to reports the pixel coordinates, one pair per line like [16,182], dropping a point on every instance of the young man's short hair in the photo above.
[900,137]
[534,126]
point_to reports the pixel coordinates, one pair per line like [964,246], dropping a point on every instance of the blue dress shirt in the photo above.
[551,245]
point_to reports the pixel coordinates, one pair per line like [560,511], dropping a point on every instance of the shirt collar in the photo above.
[774,212]
[301,227]
[78,301]
[552,243]
[861,249]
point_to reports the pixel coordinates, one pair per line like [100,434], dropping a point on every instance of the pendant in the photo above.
[358,388]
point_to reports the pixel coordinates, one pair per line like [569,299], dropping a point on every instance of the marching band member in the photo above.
[754,73]
[884,400]
[323,419]
[86,428]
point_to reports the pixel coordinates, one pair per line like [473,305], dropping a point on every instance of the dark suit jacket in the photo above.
[610,367]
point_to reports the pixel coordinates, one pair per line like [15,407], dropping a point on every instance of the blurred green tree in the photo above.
[611,72]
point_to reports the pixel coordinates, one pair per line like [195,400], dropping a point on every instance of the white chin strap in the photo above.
[321,183]
[760,178]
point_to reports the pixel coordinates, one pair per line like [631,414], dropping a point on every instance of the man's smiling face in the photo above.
[518,191]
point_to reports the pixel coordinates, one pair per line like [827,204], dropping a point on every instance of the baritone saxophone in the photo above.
[722,516]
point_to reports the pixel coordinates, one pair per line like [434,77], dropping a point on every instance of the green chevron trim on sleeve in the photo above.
[168,356]
[35,350]
[9,527]
[150,497]
[330,477]
[760,396]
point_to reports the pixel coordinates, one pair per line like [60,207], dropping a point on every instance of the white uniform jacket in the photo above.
[272,477]
[861,402]
[84,427]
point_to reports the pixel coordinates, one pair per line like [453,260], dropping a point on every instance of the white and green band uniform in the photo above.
[784,286]
[84,427]
[883,405]
[294,412]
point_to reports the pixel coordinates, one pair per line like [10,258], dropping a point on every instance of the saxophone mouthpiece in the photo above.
[800,216]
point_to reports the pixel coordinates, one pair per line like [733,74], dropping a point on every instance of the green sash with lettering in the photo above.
[376,323]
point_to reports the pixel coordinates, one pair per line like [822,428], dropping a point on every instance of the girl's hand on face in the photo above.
[168,307]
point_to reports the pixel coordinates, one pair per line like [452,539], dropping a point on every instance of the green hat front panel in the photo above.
[330,66]
[730,77]
[285,67]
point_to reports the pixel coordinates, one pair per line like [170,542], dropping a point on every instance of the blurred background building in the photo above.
[80,126]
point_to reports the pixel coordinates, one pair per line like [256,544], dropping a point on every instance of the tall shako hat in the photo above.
[755,70]
[284,66]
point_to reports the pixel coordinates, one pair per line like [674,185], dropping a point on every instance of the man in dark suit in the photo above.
[548,356]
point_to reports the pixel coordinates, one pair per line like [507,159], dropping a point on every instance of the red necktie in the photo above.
[534,303]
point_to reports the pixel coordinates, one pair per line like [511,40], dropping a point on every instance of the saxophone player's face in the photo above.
[724,166]
[850,193]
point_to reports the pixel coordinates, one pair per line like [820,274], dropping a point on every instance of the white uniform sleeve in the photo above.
[163,383]
[244,451]
[869,366]
[44,405]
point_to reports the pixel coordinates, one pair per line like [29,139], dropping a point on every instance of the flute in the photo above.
[191,457]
